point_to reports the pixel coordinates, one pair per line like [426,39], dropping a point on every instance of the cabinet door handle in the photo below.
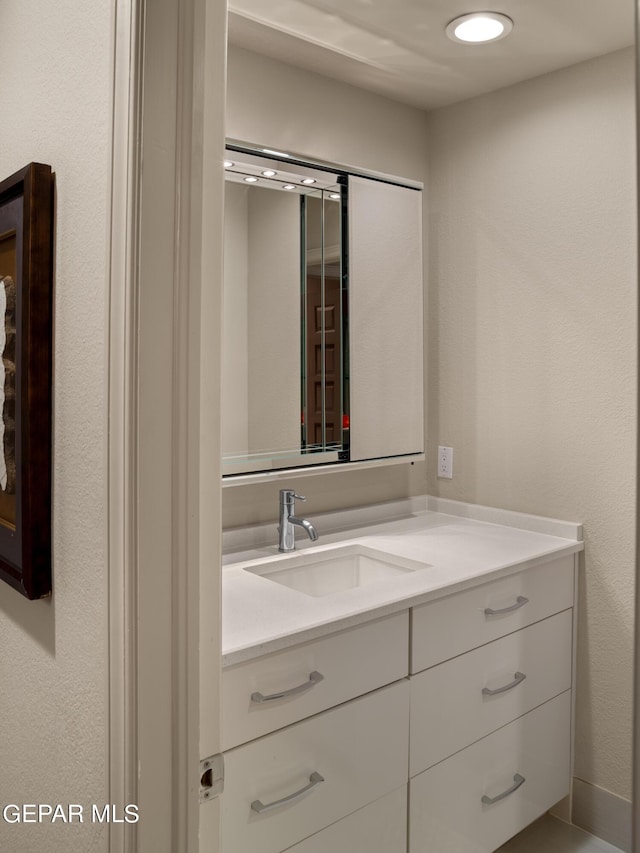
[314,780]
[517,781]
[520,602]
[518,678]
[314,678]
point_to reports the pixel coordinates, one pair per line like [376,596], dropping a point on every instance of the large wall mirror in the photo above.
[295,247]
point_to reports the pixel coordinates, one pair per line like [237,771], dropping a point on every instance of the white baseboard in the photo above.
[562,810]
[603,814]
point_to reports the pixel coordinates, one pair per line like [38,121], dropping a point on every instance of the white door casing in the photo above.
[164,471]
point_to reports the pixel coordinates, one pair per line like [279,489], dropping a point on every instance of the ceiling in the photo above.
[398,48]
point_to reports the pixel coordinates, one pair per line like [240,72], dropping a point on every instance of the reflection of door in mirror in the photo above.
[323,395]
[323,416]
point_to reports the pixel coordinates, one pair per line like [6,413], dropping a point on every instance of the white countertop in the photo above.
[260,616]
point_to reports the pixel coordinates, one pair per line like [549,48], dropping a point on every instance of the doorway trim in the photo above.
[124,179]
[163,512]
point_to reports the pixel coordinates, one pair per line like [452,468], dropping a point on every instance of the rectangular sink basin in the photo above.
[335,570]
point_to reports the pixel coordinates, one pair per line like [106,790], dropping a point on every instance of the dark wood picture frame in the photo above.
[26,299]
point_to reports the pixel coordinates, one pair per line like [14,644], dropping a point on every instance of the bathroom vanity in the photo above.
[406,685]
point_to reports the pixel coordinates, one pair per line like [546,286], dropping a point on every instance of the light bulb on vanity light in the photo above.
[276,153]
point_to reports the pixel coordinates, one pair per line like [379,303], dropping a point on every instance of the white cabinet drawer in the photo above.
[447,811]
[311,677]
[380,827]
[450,626]
[450,705]
[359,750]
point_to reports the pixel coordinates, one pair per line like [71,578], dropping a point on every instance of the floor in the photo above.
[554,836]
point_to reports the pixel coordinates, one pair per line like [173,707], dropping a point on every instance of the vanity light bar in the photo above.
[252,179]
[255,154]
[253,173]
[276,153]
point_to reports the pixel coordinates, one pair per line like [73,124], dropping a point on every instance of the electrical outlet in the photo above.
[445,462]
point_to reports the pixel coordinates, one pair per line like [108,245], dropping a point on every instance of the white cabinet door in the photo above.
[385,320]
[462,700]
[285,786]
[452,625]
[262,695]
[480,797]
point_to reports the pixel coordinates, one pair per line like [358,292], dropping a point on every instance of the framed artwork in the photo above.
[26,291]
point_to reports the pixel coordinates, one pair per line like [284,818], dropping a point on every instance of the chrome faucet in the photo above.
[288,520]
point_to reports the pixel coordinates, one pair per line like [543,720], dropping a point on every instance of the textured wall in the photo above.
[327,120]
[532,358]
[55,77]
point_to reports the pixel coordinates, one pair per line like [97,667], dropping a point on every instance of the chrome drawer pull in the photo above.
[314,678]
[518,678]
[520,602]
[517,781]
[314,780]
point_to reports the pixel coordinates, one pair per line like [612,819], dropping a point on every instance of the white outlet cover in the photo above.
[445,462]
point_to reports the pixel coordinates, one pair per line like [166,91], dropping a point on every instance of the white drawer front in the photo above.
[447,812]
[313,676]
[380,827]
[450,626]
[450,706]
[359,750]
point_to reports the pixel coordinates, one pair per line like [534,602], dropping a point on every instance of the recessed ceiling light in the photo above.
[479,27]
[288,187]
[308,180]
[228,164]
[269,173]
[334,195]
[251,179]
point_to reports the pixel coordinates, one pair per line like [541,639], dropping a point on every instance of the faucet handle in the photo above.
[288,496]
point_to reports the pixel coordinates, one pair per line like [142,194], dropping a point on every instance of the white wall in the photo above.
[287,108]
[56,75]
[532,357]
